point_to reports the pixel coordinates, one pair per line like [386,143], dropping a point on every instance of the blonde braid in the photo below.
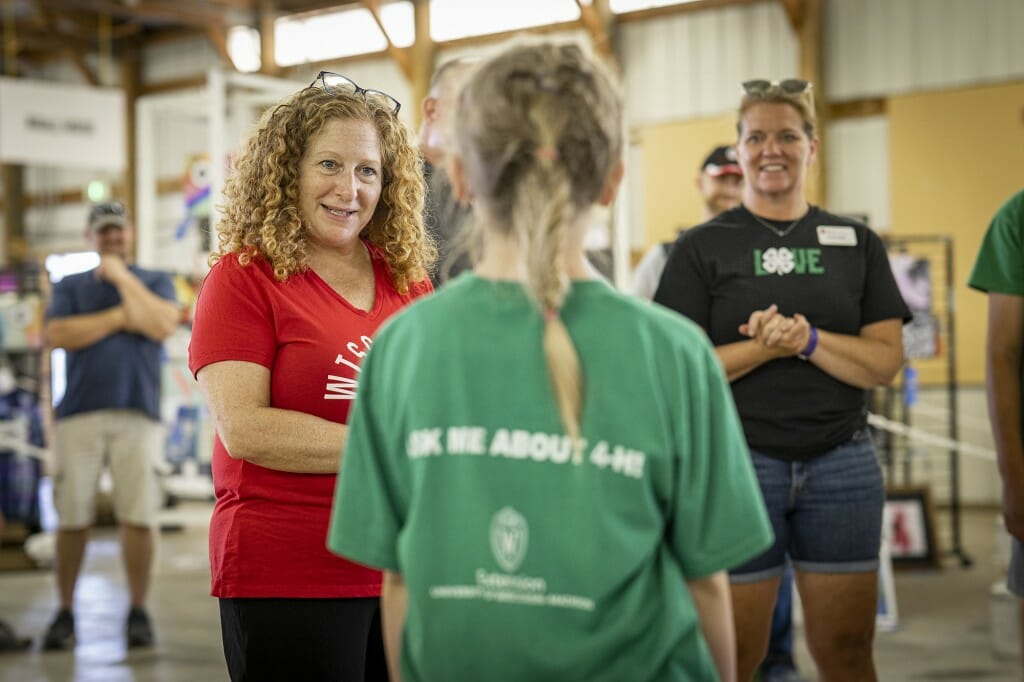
[539,128]
[541,229]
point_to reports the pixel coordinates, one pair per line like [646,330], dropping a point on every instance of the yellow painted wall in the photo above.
[672,155]
[955,156]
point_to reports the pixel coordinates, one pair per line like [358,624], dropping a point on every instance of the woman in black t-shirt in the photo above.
[805,314]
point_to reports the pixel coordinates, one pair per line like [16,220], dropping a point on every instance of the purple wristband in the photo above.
[812,343]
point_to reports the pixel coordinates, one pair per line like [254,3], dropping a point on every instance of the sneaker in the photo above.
[61,633]
[10,641]
[137,628]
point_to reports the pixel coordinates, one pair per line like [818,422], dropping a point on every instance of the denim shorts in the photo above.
[826,512]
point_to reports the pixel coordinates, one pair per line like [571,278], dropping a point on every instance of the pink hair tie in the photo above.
[551,314]
[546,154]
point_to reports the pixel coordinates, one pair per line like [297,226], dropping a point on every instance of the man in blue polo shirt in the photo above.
[112,321]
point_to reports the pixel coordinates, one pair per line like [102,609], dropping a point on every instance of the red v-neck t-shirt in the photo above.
[269,528]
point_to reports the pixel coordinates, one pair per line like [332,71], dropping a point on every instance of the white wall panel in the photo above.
[876,48]
[857,154]
[934,50]
[691,64]
[41,180]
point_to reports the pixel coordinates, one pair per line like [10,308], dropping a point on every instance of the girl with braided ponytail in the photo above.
[550,473]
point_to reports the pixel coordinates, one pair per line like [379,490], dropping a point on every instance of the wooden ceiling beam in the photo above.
[858,108]
[490,38]
[398,54]
[84,26]
[186,83]
[187,13]
[76,57]
[182,12]
[309,6]
[242,5]
[174,35]
[218,36]
[685,8]
[78,60]
[35,40]
[795,12]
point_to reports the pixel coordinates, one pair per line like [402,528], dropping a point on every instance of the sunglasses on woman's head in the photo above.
[333,83]
[790,86]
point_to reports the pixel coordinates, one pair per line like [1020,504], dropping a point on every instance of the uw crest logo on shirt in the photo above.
[510,535]
[785,261]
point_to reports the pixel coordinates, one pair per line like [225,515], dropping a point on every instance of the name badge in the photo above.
[836,235]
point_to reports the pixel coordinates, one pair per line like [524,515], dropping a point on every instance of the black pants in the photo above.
[275,640]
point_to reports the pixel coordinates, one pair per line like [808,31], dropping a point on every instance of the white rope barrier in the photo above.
[919,435]
[943,413]
[16,441]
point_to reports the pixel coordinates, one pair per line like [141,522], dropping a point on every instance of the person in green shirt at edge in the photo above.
[569,508]
[999,271]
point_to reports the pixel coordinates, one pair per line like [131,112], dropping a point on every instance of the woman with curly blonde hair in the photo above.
[322,240]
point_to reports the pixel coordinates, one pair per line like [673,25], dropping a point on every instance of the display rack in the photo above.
[23,369]
[930,350]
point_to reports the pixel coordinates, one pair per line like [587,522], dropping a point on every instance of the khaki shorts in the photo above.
[129,443]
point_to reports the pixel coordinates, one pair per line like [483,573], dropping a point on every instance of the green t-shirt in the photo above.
[999,268]
[526,558]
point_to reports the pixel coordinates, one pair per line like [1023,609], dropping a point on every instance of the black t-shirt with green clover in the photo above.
[831,269]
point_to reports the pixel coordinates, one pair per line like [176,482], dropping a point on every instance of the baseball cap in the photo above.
[721,161]
[107,213]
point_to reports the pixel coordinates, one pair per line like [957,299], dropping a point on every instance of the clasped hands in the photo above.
[781,335]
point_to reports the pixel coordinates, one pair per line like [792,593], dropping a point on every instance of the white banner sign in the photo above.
[43,123]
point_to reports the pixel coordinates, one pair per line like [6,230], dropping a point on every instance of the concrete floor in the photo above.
[944,629]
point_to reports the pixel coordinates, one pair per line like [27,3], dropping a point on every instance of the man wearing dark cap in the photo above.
[112,321]
[719,182]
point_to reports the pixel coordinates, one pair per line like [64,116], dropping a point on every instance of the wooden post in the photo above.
[423,54]
[809,35]
[131,78]
[10,39]
[596,18]
[15,249]
[268,13]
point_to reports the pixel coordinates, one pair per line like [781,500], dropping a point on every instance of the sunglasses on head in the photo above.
[334,83]
[789,86]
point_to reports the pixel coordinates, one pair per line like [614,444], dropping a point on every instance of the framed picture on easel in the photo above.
[909,523]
